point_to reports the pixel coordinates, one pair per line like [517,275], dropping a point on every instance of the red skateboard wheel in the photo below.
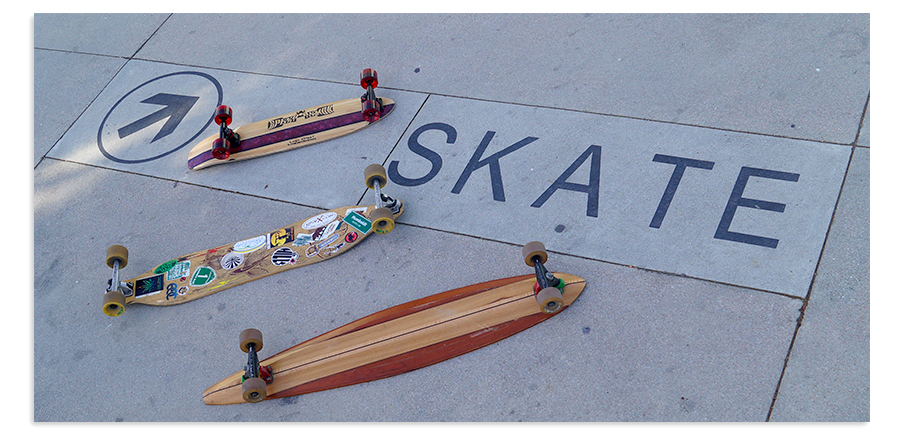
[371,110]
[368,76]
[223,114]
[221,148]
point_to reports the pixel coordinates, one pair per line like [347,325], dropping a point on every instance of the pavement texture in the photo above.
[708,175]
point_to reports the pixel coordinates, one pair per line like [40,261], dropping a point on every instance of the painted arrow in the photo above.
[176,107]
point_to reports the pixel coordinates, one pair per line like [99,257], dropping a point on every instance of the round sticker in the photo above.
[284,256]
[232,260]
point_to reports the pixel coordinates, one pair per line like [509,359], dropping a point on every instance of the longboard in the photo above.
[292,130]
[299,244]
[400,339]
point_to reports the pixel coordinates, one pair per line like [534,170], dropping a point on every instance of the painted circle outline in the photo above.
[138,161]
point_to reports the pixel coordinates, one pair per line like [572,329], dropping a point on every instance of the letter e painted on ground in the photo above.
[737,200]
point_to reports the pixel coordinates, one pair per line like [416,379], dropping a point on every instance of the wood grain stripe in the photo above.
[418,358]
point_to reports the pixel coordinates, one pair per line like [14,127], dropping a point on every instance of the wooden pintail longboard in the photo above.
[290,131]
[402,338]
[202,273]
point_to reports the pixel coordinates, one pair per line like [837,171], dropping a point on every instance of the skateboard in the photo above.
[402,338]
[292,130]
[202,273]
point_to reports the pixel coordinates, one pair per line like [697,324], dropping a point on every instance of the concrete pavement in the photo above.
[707,174]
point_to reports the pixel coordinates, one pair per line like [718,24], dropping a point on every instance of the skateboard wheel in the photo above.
[550,300]
[368,77]
[254,389]
[116,252]
[532,250]
[382,220]
[375,172]
[221,148]
[113,303]
[371,110]
[223,114]
[249,336]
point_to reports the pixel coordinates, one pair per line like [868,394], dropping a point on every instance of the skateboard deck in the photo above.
[196,275]
[289,131]
[402,338]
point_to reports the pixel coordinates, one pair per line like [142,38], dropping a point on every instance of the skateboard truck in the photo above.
[547,289]
[371,105]
[255,378]
[228,139]
[114,299]
[385,206]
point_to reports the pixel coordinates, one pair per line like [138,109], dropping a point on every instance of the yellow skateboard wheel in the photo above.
[375,172]
[116,252]
[382,220]
[113,303]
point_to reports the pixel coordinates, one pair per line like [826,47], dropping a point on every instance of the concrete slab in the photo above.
[688,334]
[98,138]
[61,95]
[795,75]
[728,207]
[105,34]
[827,378]
[635,349]
[637,346]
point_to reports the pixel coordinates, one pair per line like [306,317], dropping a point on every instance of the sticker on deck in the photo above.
[319,220]
[148,286]
[179,270]
[358,222]
[203,276]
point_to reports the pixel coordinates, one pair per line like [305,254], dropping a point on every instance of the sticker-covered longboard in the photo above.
[202,273]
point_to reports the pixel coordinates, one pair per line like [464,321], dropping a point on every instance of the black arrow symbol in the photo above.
[176,108]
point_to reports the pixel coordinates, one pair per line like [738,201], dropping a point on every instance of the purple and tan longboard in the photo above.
[402,338]
[290,131]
